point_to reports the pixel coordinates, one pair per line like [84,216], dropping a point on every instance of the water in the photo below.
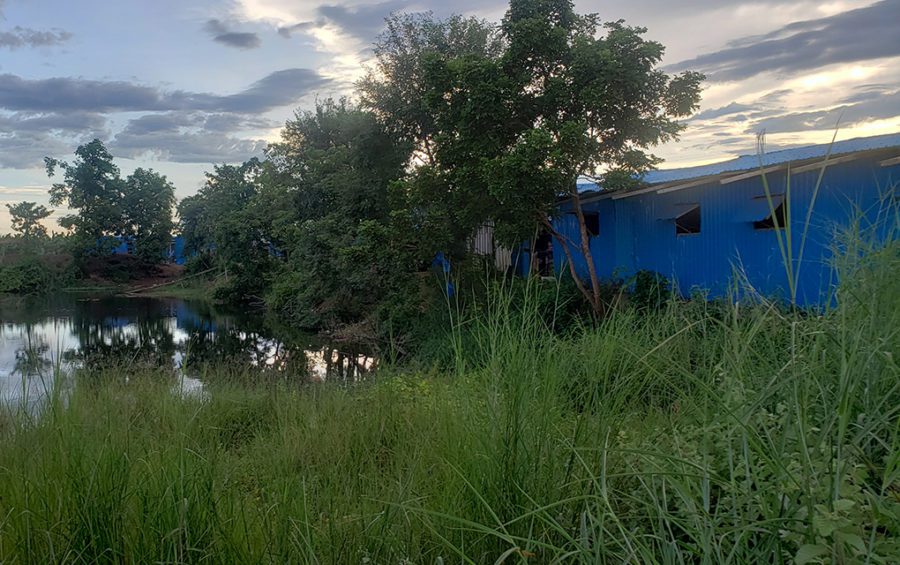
[43,337]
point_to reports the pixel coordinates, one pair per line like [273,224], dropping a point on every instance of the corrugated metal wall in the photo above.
[483,244]
[638,232]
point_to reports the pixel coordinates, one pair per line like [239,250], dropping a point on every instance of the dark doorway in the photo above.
[543,254]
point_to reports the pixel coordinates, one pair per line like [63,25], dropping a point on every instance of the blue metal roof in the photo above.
[750,162]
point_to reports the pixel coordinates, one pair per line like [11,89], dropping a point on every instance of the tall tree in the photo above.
[334,167]
[395,87]
[397,90]
[26,219]
[563,102]
[93,188]
[226,216]
[147,206]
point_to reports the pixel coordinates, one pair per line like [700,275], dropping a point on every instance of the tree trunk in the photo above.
[597,302]
[588,295]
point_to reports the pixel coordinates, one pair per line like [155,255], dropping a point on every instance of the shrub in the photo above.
[35,274]
[650,290]
[118,268]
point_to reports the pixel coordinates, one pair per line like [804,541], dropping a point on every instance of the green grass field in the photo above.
[696,434]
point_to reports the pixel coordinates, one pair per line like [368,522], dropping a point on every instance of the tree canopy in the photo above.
[26,218]
[93,188]
[137,208]
[459,123]
[147,204]
[567,98]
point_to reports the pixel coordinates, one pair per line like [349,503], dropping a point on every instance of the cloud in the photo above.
[856,35]
[885,106]
[712,113]
[190,137]
[212,123]
[280,88]
[239,40]
[363,22]
[68,122]
[27,149]
[868,92]
[25,139]
[19,37]
[185,146]
[181,137]
[287,31]
[68,94]
[234,122]
[52,116]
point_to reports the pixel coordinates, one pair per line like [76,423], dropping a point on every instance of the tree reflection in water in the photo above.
[174,336]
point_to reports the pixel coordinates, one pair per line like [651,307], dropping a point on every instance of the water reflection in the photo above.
[39,338]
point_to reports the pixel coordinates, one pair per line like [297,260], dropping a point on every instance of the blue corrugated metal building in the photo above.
[705,227]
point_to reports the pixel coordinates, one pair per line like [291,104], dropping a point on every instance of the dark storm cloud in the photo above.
[19,37]
[280,88]
[239,40]
[363,22]
[857,35]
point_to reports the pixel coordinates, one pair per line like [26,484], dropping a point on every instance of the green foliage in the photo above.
[396,88]
[684,435]
[147,204]
[199,263]
[230,220]
[92,188]
[138,208]
[35,265]
[332,170]
[26,219]
[36,274]
[650,292]
[514,130]
[28,276]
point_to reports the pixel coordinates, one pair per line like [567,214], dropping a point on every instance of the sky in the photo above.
[179,86]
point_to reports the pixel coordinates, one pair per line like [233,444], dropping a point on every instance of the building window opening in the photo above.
[592,223]
[776,218]
[689,222]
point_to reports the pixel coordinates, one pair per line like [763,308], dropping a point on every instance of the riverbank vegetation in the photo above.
[691,432]
[134,214]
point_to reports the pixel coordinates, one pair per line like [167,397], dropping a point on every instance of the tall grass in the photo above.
[697,434]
